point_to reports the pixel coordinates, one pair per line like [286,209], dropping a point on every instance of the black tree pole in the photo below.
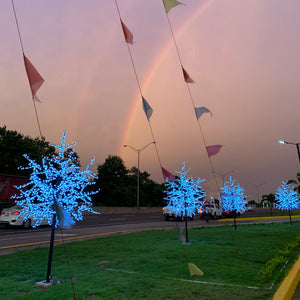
[48,277]
[234,217]
[290,217]
[186,229]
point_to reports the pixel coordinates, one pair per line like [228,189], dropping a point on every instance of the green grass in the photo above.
[151,264]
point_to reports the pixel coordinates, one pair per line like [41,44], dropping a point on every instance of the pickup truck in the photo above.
[211,210]
[167,215]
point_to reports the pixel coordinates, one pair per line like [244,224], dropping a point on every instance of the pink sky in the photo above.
[242,55]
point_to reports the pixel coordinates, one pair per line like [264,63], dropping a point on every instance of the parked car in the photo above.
[11,216]
[229,214]
[211,210]
[249,207]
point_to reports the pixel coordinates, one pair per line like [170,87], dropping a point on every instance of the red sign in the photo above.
[7,189]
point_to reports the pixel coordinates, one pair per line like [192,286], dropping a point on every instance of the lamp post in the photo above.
[257,189]
[223,175]
[296,144]
[138,151]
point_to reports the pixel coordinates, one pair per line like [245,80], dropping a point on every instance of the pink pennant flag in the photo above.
[213,150]
[167,175]
[34,77]
[186,76]
[127,34]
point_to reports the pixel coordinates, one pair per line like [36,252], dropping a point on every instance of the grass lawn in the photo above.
[153,265]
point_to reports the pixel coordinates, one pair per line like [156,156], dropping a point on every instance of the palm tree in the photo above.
[292,181]
[270,198]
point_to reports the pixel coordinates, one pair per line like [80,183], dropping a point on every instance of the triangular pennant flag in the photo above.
[147,108]
[186,76]
[127,34]
[213,150]
[201,110]
[194,270]
[169,4]
[167,175]
[34,77]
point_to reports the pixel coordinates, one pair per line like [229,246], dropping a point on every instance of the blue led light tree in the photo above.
[184,195]
[286,198]
[57,190]
[232,198]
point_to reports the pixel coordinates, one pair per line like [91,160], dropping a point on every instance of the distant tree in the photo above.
[151,193]
[14,145]
[118,185]
[144,176]
[270,199]
[112,179]
[296,183]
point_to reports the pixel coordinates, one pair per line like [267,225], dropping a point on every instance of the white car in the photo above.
[179,217]
[249,207]
[10,216]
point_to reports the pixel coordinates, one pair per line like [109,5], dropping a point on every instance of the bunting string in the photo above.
[147,108]
[168,6]
[68,264]
[128,48]
[17,24]
[34,98]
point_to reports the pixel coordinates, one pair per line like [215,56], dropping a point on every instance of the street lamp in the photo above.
[296,144]
[257,189]
[223,175]
[138,151]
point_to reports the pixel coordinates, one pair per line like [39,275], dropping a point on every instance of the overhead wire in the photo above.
[22,47]
[190,96]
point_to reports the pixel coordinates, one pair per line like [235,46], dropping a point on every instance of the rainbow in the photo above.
[159,59]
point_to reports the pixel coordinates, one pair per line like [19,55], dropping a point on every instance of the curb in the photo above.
[287,288]
[257,218]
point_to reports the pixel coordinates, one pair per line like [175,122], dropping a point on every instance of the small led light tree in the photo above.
[232,198]
[286,198]
[183,196]
[57,189]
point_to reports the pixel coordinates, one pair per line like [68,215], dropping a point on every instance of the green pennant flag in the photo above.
[169,4]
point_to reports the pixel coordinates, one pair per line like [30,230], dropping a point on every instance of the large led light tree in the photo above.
[286,198]
[57,190]
[232,198]
[184,196]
